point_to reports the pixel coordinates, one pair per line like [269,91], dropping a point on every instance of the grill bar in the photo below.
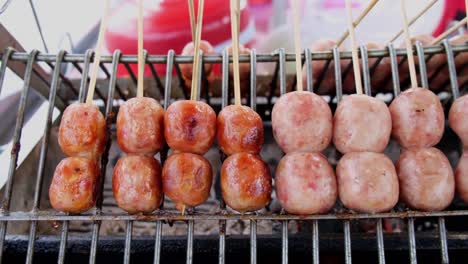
[284,231]
[128,242]
[347,239]
[443,240]
[422,64]
[452,69]
[366,71]
[157,243]
[412,241]
[315,242]
[253,242]
[190,242]
[394,68]
[380,242]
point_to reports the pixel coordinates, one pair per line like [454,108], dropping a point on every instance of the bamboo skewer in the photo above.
[357,21]
[409,46]
[356,68]
[442,36]
[141,63]
[415,18]
[235,51]
[192,19]
[297,44]
[97,54]
[196,59]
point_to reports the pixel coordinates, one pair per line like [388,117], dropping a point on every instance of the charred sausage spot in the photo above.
[251,137]
[192,123]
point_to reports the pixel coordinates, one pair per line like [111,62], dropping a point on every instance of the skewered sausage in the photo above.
[244,68]
[245,182]
[190,126]
[302,121]
[458,118]
[305,183]
[327,84]
[367,182]
[140,124]
[74,185]
[187,179]
[361,123]
[240,129]
[82,131]
[136,184]
[418,118]
[461,178]
[426,179]
[186,69]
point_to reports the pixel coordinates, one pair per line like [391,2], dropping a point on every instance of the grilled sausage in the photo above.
[140,126]
[82,131]
[418,118]
[458,118]
[240,129]
[361,123]
[305,183]
[187,179]
[426,179]
[74,185]
[367,182]
[461,178]
[302,121]
[136,184]
[190,126]
[245,182]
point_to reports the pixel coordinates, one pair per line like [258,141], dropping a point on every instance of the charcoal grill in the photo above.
[409,245]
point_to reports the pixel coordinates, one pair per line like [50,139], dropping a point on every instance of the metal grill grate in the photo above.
[162,217]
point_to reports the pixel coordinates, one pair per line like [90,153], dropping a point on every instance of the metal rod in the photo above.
[253,79]
[157,243]
[285,241]
[412,241]
[190,242]
[338,81]
[309,74]
[84,78]
[422,64]
[274,81]
[222,241]
[253,242]
[452,69]
[443,240]
[128,242]
[365,70]
[347,238]
[394,68]
[200,75]
[168,84]
[225,81]
[282,70]
[63,243]
[315,242]
[380,241]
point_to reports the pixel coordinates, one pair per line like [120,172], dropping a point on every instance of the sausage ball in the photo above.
[367,182]
[74,185]
[240,129]
[186,69]
[140,124]
[302,121]
[418,118]
[426,179]
[244,68]
[190,126]
[187,179]
[327,85]
[82,131]
[305,183]
[245,182]
[361,123]
[461,178]
[458,118]
[136,184]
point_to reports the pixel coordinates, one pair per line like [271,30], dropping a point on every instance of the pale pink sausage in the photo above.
[461,178]
[140,124]
[305,183]
[458,118]
[418,118]
[302,121]
[426,179]
[367,182]
[361,123]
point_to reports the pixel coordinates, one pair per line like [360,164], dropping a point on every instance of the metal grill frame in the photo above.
[171,60]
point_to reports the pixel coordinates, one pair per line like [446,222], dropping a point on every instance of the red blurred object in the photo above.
[167,26]
[454,9]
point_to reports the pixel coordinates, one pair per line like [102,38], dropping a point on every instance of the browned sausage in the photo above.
[426,179]
[302,121]
[240,129]
[187,179]
[361,123]
[458,118]
[461,178]
[305,183]
[245,182]
[74,185]
[82,131]
[367,182]
[190,126]
[136,184]
[140,124]
[418,118]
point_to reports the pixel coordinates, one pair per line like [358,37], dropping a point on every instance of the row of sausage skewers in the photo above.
[303,126]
